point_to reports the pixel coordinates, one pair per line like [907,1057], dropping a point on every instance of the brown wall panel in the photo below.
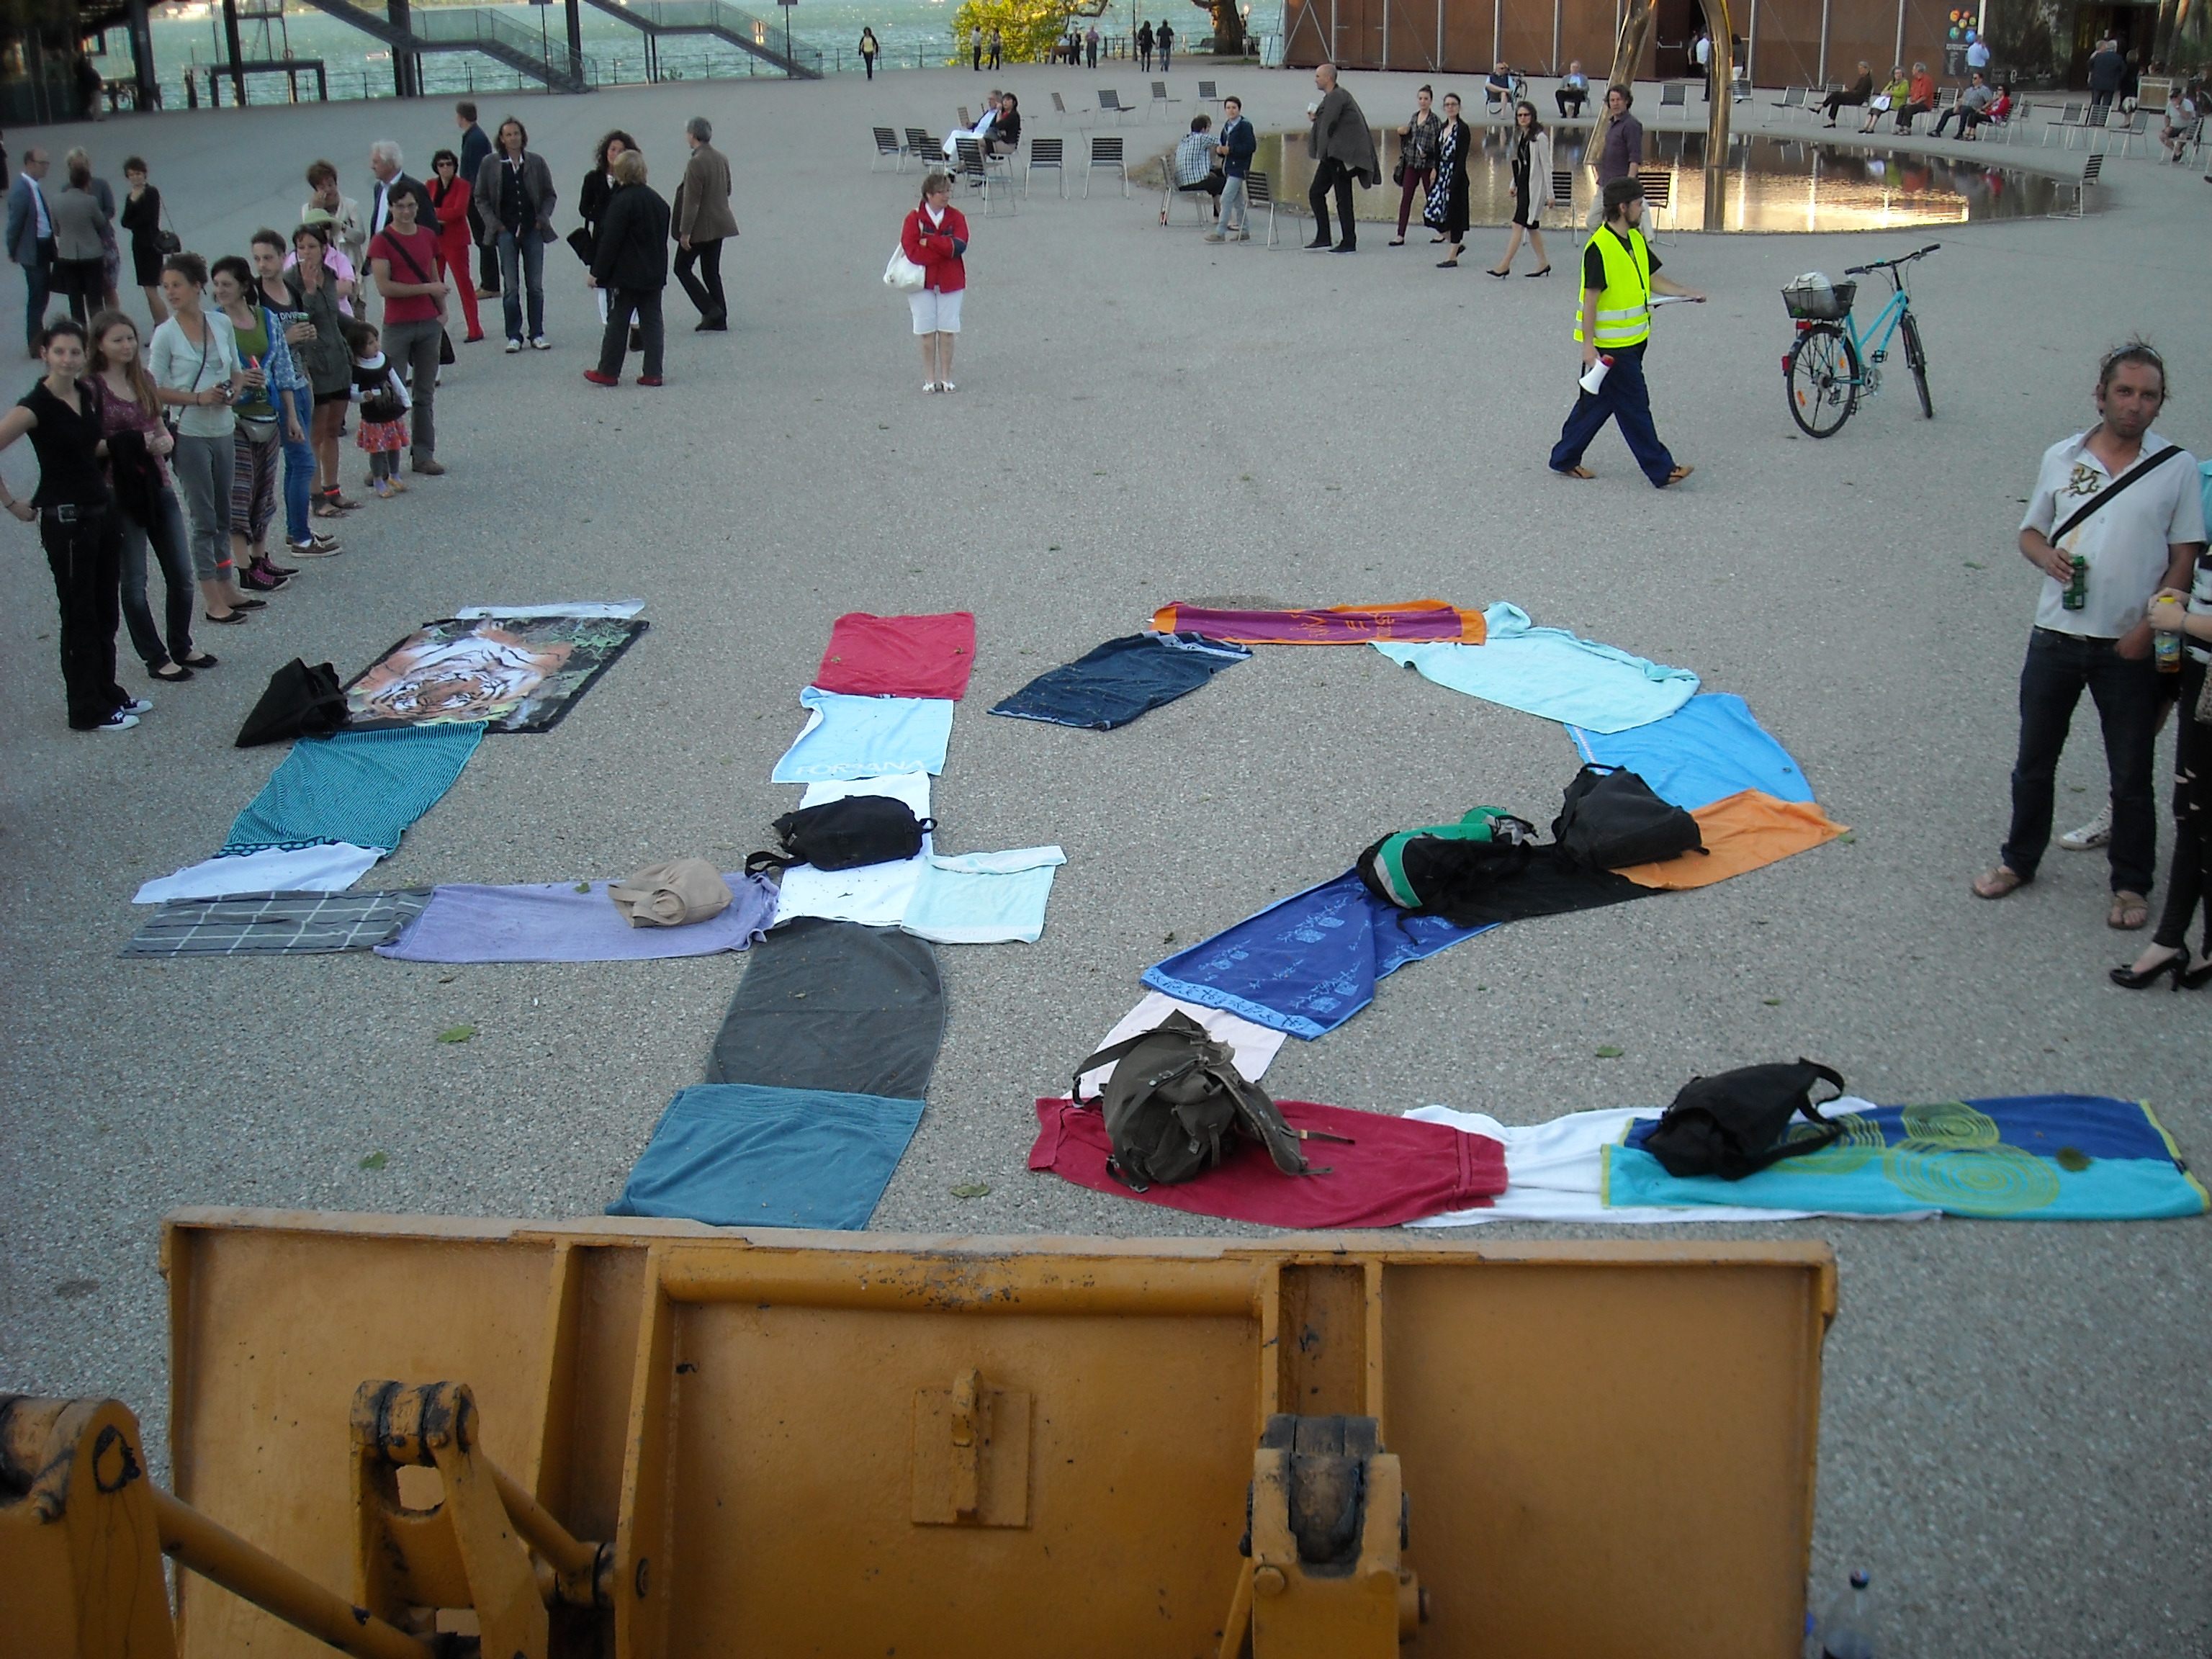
[1528,32]
[1927,24]
[1787,51]
[1859,31]
[1586,30]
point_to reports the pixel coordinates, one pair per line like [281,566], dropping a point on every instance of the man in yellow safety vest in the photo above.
[1620,276]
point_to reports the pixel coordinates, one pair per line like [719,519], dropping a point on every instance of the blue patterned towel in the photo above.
[361,787]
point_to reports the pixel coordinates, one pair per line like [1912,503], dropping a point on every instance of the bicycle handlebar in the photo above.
[1885,264]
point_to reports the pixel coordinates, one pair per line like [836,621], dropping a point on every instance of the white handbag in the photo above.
[903,274]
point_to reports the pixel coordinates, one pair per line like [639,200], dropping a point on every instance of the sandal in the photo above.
[2000,883]
[2129,911]
[1574,472]
[1678,475]
[173,672]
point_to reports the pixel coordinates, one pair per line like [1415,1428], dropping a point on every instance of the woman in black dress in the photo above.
[142,217]
[592,200]
[1446,208]
[75,516]
[1530,149]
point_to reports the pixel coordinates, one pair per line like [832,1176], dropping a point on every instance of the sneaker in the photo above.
[541,344]
[430,469]
[264,562]
[315,547]
[1241,236]
[119,722]
[598,379]
[1212,236]
[262,581]
[513,346]
[137,706]
[2094,833]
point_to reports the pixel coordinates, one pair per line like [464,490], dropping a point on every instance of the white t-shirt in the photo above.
[2125,543]
[179,365]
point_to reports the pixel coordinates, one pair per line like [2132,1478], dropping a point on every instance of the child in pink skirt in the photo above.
[382,430]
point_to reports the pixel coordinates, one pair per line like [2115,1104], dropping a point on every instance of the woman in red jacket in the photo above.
[449,196]
[934,237]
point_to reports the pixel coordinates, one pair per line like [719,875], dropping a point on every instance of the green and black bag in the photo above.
[1430,868]
[1175,1101]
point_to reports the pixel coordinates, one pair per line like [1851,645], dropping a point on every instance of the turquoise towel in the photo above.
[2030,1157]
[1548,671]
[1708,749]
[361,787]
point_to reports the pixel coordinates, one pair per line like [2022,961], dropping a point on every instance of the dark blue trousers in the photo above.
[1623,396]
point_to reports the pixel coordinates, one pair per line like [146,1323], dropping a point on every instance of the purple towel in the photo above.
[552,921]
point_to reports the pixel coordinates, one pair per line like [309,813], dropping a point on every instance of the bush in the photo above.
[1028,29]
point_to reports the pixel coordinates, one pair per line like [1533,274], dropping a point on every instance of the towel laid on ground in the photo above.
[1336,624]
[361,787]
[571,921]
[1742,832]
[1393,1170]
[874,894]
[1306,964]
[1121,680]
[276,924]
[740,1155]
[1549,671]
[1255,1046]
[1705,751]
[983,898]
[830,1005]
[865,738]
[319,866]
[899,656]
[2020,1158]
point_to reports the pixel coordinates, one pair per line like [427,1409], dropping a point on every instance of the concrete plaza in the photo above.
[2014,1434]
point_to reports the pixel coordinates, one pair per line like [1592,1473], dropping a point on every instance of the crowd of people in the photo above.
[181,446]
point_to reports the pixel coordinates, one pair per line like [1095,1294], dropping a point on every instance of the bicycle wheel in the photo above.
[1916,356]
[1822,380]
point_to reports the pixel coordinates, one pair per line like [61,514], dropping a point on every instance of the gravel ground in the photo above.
[2014,1438]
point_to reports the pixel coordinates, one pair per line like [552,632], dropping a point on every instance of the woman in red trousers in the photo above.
[449,196]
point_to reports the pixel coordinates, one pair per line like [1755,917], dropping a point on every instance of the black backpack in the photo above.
[1610,819]
[1731,1125]
[843,835]
[300,703]
[1174,1101]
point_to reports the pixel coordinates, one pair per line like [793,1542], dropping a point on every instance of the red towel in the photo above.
[1396,1170]
[899,656]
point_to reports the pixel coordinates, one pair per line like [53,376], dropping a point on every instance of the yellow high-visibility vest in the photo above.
[1623,308]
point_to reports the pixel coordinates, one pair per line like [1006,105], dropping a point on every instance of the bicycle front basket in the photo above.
[1820,305]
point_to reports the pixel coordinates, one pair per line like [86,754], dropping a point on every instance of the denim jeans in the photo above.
[1622,396]
[2059,669]
[299,469]
[522,262]
[1232,205]
[167,536]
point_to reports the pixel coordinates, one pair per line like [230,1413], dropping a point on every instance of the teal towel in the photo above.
[361,787]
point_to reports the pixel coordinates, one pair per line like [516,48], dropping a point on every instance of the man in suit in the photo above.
[476,145]
[31,241]
[703,219]
[385,161]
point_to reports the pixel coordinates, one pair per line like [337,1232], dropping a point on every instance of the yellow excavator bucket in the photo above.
[646,1440]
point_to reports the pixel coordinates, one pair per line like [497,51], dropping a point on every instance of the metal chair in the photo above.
[1792,98]
[887,143]
[1105,153]
[966,119]
[1109,99]
[986,173]
[1675,95]
[2023,110]
[923,148]
[2136,126]
[1563,197]
[2068,123]
[1658,194]
[1058,108]
[2090,169]
[1207,94]
[1160,96]
[1046,153]
[1259,193]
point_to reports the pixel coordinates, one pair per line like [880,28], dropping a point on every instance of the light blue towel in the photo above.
[848,736]
[983,898]
[1549,671]
[1708,749]
[361,787]
[747,1154]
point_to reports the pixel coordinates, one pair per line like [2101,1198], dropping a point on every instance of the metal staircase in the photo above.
[718,18]
[470,28]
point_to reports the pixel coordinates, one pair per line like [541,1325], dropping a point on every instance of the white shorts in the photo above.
[935,313]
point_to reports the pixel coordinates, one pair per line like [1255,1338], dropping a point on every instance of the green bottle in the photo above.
[2077,591]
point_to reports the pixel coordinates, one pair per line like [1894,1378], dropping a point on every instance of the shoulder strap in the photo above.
[2103,498]
[401,248]
[1105,1056]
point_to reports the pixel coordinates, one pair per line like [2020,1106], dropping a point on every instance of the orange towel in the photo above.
[1424,620]
[1742,832]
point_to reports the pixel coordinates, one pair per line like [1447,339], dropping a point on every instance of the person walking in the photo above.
[256,439]
[1235,148]
[315,294]
[1343,150]
[1620,151]
[1144,45]
[403,261]
[515,195]
[592,198]
[703,222]
[81,233]
[148,514]
[194,360]
[1446,210]
[2115,517]
[935,237]
[1613,323]
[31,243]
[1529,151]
[293,387]
[2108,73]
[1417,158]
[476,148]
[1164,39]
[629,261]
[142,217]
[453,198]
[75,516]
[868,49]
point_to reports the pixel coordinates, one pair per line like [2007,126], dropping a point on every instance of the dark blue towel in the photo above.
[742,1155]
[1121,680]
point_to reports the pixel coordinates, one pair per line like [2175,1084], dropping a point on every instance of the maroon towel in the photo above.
[899,656]
[1396,1170]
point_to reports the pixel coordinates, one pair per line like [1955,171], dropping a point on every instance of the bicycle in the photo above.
[1832,362]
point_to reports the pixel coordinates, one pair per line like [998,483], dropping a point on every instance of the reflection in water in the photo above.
[1771,184]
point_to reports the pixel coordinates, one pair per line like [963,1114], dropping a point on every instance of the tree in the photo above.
[1228,27]
[1028,29]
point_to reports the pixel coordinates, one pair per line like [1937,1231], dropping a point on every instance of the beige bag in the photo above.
[672,895]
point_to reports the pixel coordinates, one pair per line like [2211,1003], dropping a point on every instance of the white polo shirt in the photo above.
[2125,543]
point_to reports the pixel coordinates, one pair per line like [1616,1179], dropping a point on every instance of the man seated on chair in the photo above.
[1574,89]
[1195,168]
[1921,101]
[1968,109]
[1497,89]
[980,132]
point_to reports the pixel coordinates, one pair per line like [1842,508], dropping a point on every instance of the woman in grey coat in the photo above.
[514,201]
